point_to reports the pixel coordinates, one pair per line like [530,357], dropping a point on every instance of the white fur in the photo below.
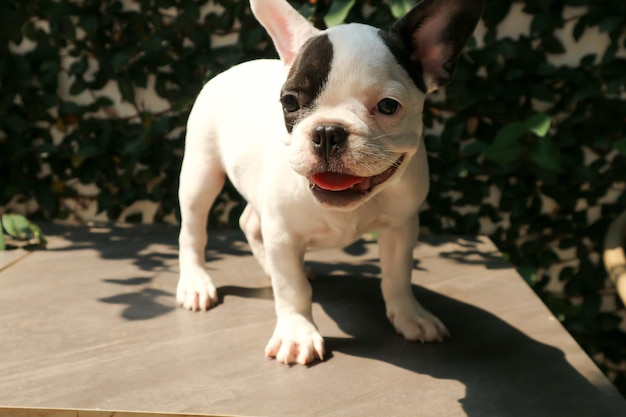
[236,128]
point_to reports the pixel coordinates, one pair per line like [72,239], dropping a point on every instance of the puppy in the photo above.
[324,144]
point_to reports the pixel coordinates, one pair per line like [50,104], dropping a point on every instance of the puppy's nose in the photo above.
[327,139]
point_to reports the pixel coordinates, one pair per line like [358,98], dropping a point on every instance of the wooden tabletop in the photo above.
[91,325]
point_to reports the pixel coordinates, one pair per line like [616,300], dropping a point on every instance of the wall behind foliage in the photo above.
[527,145]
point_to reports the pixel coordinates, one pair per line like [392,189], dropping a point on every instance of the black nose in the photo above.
[328,139]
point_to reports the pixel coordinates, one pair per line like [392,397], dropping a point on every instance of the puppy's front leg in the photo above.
[201,180]
[296,338]
[406,314]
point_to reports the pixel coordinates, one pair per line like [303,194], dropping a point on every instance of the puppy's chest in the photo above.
[339,233]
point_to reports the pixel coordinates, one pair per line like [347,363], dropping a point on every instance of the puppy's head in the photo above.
[354,94]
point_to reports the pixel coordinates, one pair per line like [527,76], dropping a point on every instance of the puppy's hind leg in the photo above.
[201,180]
[250,223]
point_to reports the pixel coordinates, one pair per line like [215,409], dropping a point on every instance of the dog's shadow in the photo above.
[505,372]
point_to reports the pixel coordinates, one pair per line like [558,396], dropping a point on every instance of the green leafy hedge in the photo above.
[524,148]
[547,196]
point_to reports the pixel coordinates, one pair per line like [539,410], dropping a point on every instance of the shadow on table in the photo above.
[505,372]
[144,303]
[117,242]
[132,242]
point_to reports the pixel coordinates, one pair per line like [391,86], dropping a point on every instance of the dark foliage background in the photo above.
[530,152]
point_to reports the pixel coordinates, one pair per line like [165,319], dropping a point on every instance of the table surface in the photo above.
[91,323]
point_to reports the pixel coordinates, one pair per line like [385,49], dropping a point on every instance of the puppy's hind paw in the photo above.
[295,340]
[196,291]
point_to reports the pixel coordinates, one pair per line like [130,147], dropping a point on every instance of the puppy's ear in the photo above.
[433,34]
[287,28]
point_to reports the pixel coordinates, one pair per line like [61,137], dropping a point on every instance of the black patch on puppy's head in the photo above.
[306,79]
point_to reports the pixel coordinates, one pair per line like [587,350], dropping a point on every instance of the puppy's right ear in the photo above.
[287,28]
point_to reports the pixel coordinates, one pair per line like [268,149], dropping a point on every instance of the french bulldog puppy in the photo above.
[324,144]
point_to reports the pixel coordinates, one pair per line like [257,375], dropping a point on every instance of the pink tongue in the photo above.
[335,182]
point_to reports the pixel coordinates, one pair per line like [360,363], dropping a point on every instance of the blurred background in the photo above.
[527,145]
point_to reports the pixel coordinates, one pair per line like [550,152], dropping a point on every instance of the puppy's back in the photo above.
[238,120]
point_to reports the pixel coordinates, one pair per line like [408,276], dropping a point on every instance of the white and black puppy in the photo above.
[324,144]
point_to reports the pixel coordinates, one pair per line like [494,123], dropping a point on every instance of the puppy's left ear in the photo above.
[432,36]
[287,28]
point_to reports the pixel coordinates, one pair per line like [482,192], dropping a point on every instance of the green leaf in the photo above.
[452,131]
[473,148]
[610,23]
[191,11]
[552,45]
[620,145]
[153,44]
[45,197]
[529,273]
[38,234]
[539,124]
[78,86]
[610,53]
[16,226]
[338,12]
[541,23]
[127,89]
[400,7]
[120,59]
[90,24]
[78,67]
[496,12]
[307,10]
[579,28]
[15,122]
[88,151]
[135,147]
[507,147]
[546,154]
[29,30]
[68,107]
[588,60]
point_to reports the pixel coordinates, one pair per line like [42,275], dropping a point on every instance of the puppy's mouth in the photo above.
[340,190]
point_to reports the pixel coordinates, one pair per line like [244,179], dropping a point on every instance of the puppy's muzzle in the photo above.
[333,184]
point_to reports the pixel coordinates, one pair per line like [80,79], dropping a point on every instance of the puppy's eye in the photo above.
[290,103]
[387,106]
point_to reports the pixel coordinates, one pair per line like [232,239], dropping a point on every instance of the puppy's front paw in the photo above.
[414,322]
[195,290]
[295,340]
